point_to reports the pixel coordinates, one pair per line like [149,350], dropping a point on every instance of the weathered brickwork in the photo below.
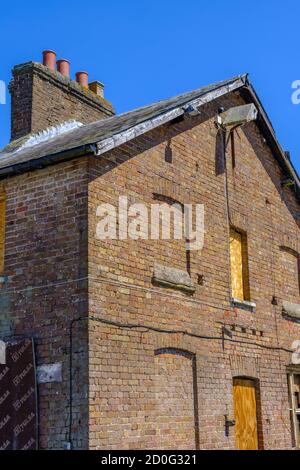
[153,367]
[124,398]
[45,287]
[42,98]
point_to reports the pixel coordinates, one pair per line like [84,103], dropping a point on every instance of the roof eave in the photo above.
[48,160]
[104,145]
[110,143]
[268,132]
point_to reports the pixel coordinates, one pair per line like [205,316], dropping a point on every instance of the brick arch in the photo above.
[289,249]
[168,189]
[170,200]
[175,351]
[242,366]
[176,341]
[240,221]
[290,242]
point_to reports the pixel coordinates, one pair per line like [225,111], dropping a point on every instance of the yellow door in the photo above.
[245,410]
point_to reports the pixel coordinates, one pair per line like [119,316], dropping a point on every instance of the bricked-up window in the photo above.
[2,230]
[172,249]
[294,394]
[290,272]
[239,265]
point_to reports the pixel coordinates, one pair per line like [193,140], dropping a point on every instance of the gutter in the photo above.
[38,163]
[145,126]
[240,83]
[124,136]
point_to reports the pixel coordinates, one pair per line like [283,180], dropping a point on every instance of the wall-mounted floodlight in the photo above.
[237,116]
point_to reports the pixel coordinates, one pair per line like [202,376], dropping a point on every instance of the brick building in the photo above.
[145,344]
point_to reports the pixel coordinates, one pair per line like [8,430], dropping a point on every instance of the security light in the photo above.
[238,116]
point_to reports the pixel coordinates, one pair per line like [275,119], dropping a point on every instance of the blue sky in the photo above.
[149,50]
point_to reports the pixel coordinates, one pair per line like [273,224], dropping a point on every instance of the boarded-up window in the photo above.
[2,230]
[239,265]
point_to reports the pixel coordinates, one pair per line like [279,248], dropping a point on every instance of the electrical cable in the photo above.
[146,328]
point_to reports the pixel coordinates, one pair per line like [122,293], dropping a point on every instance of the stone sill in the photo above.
[170,285]
[244,304]
[173,278]
[291,310]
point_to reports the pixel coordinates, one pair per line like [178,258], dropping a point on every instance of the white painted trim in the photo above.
[146,126]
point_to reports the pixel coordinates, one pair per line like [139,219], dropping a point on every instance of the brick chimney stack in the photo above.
[43,96]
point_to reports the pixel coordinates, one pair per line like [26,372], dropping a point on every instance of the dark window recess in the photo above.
[233,155]
[169,153]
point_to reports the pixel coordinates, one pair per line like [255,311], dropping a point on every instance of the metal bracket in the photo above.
[229,423]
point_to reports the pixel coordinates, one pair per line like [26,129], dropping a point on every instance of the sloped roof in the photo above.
[101,136]
[108,127]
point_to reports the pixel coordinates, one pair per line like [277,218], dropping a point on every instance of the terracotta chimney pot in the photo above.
[83,79]
[49,59]
[63,67]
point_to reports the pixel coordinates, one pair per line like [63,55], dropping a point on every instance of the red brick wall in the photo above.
[176,410]
[290,270]
[118,399]
[140,400]
[45,287]
[121,289]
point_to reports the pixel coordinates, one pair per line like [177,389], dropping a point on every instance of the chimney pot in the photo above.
[83,79]
[49,59]
[63,67]
[65,99]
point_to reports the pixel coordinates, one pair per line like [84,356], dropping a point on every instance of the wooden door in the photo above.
[245,410]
